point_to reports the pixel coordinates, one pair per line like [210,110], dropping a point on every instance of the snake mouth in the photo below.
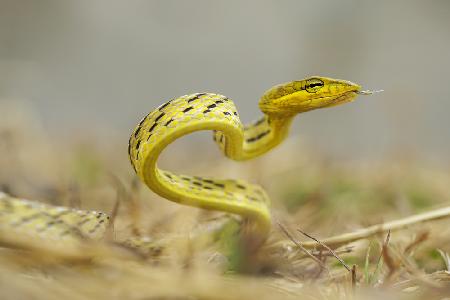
[350,95]
[345,97]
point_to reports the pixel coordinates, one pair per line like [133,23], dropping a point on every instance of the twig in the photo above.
[353,277]
[423,236]
[328,248]
[388,259]
[346,238]
[120,195]
[321,253]
[446,258]
[286,232]
[385,243]
[367,277]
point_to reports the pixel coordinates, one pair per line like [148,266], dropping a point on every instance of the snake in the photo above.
[170,121]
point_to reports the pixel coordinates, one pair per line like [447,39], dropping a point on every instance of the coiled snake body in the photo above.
[178,117]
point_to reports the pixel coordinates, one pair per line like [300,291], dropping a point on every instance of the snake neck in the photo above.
[259,136]
[265,134]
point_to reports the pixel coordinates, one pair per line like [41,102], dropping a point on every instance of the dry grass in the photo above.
[318,197]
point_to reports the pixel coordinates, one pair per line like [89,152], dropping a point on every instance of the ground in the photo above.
[319,196]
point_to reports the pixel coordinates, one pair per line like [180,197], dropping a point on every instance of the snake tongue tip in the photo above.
[369,92]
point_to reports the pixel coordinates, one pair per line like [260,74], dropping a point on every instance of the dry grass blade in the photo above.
[367,232]
[385,244]
[134,208]
[287,233]
[446,257]
[120,196]
[422,237]
[328,248]
[388,259]
[353,277]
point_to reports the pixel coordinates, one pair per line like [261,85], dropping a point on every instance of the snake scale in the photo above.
[170,121]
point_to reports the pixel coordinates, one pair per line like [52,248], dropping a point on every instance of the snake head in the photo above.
[308,94]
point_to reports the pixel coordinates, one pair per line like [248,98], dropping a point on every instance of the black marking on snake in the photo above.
[221,185]
[235,113]
[49,224]
[186,178]
[66,232]
[137,131]
[197,183]
[82,222]
[259,136]
[26,219]
[29,206]
[153,127]
[251,198]
[196,97]
[159,117]
[263,134]
[211,106]
[168,176]
[138,144]
[207,188]
[129,148]
[61,214]
[226,113]
[42,229]
[164,105]
[55,222]
[206,111]
[218,101]
[187,109]
[149,136]
[168,122]
[260,121]
[208,180]
[95,228]
[240,186]
[137,158]
[99,215]
[221,138]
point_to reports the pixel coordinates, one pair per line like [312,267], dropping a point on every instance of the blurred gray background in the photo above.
[97,67]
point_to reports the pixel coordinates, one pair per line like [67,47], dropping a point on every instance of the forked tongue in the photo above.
[369,92]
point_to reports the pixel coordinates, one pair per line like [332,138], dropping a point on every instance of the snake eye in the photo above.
[313,85]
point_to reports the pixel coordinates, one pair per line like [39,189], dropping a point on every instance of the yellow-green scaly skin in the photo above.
[207,111]
[32,219]
[179,117]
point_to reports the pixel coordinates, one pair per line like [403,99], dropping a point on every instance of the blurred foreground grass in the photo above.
[319,196]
